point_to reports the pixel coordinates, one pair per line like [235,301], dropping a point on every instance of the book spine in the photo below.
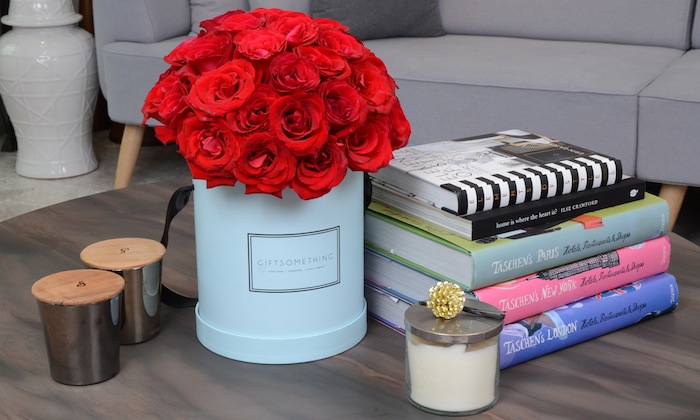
[385,307]
[587,318]
[547,289]
[518,253]
[547,246]
[555,209]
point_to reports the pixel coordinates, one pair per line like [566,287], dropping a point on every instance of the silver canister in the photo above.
[452,365]
[139,262]
[79,310]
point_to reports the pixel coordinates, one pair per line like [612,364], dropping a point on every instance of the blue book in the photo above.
[556,329]
[587,318]
[485,262]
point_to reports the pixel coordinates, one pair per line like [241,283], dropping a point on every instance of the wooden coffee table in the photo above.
[650,370]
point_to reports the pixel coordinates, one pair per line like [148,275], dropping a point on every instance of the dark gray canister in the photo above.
[80,311]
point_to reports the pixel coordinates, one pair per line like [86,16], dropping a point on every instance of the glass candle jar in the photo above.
[452,365]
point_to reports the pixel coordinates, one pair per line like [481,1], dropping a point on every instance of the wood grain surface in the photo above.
[122,253]
[647,371]
[78,287]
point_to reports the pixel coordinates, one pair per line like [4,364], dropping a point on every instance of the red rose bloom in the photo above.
[342,43]
[236,22]
[298,121]
[345,108]
[166,99]
[260,44]
[219,91]
[400,128]
[290,73]
[317,174]
[254,114]
[369,148]
[298,28]
[265,164]
[209,148]
[205,54]
[328,63]
[378,89]
[277,99]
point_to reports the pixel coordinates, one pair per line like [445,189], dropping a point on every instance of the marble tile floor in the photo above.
[19,195]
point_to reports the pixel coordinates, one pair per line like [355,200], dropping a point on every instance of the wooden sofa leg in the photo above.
[128,153]
[674,195]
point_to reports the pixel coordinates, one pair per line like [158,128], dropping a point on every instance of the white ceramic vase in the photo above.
[48,82]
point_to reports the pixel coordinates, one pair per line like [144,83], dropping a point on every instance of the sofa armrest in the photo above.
[144,21]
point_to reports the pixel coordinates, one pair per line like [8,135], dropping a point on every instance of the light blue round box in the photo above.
[280,280]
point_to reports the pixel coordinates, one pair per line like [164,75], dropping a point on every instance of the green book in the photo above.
[495,259]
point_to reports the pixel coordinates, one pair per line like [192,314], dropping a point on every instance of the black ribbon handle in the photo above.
[178,201]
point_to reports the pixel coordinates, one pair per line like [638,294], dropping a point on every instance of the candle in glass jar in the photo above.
[452,366]
[452,377]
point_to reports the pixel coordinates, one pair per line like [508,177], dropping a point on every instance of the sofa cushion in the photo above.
[207,9]
[127,87]
[641,22]
[372,19]
[525,63]
[303,6]
[582,92]
[669,124]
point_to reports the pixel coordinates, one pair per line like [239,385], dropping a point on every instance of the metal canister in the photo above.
[80,311]
[139,262]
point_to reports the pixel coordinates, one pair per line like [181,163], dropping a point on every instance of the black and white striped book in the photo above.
[473,174]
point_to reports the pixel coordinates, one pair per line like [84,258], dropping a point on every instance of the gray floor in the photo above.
[19,195]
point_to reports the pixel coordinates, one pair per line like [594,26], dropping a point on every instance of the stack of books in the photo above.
[552,234]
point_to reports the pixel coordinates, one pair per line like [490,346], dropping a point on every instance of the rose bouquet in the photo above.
[277,99]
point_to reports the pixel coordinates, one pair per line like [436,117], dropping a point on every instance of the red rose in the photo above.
[326,23]
[235,21]
[265,164]
[317,174]
[400,128]
[345,108]
[254,114]
[342,43]
[166,99]
[277,99]
[369,148]
[289,73]
[297,120]
[260,44]
[298,28]
[375,86]
[329,63]
[219,91]
[209,148]
[165,134]
[202,54]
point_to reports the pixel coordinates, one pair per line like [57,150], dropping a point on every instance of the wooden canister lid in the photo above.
[122,253]
[78,287]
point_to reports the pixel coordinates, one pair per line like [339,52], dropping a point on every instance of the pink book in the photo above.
[548,289]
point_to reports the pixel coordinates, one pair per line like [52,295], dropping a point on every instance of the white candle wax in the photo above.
[452,378]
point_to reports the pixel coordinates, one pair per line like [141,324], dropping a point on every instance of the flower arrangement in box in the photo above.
[277,99]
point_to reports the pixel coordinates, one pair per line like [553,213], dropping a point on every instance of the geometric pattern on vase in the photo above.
[48,82]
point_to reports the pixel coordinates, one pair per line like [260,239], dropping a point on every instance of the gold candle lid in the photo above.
[448,317]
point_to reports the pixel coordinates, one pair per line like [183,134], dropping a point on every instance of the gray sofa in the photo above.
[619,77]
